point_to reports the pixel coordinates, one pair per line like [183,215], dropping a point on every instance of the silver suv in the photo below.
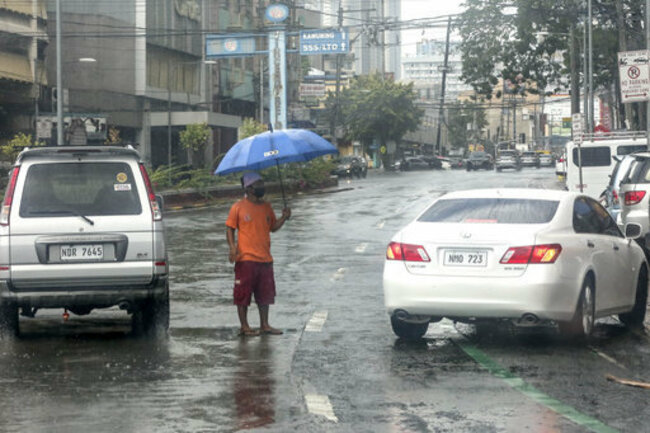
[508,159]
[81,228]
[635,194]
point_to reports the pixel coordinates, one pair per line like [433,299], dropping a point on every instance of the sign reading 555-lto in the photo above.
[324,42]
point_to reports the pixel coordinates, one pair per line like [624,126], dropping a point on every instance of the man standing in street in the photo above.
[248,231]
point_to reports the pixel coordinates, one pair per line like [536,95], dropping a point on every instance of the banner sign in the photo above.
[324,42]
[229,46]
[312,89]
[634,75]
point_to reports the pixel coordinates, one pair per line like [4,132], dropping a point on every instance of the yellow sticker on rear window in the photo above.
[122,177]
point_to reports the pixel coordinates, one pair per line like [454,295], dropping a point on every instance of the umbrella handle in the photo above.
[284,199]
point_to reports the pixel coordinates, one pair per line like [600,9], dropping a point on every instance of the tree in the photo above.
[375,108]
[194,138]
[251,127]
[460,116]
[541,40]
[10,151]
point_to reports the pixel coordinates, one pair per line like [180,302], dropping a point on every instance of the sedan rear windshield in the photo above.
[64,189]
[491,210]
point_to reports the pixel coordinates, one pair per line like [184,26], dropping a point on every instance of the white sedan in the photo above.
[527,255]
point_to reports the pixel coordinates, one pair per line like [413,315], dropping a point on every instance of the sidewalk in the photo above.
[195,198]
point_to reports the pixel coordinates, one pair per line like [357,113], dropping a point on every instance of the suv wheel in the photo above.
[8,318]
[635,317]
[152,317]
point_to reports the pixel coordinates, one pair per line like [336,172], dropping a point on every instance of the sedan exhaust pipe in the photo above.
[528,319]
[403,316]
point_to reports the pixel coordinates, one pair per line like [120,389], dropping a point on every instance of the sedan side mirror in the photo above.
[633,231]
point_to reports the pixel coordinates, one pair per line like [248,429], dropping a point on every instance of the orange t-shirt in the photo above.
[253,222]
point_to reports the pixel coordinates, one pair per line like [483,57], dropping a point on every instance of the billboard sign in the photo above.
[229,46]
[634,75]
[324,42]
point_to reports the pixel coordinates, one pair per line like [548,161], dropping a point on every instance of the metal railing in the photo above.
[614,135]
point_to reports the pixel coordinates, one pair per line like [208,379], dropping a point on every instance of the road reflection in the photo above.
[254,384]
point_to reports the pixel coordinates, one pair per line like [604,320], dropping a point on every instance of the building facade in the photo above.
[23,40]
[147,77]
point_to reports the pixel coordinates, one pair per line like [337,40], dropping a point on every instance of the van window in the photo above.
[593,156]
[88,188]
[626,150]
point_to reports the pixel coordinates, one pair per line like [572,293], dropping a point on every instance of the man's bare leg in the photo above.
[245,329]
[264,321]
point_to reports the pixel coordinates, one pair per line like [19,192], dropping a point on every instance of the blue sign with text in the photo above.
[229,46]
[324,42]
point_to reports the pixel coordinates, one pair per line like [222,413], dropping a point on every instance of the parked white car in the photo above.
[530,256]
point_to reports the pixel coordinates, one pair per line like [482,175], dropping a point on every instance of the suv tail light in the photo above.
[532,254]
[633,197]
[9,197]
[407,252]
[156,212]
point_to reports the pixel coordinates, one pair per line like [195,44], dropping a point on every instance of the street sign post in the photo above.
[634,75]
[324,42]
[577,129]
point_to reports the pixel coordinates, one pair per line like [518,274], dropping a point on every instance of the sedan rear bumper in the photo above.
[537,291]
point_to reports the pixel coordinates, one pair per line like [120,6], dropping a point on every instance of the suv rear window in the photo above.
[89,188]
[593,156]
[639,171]
[491,210]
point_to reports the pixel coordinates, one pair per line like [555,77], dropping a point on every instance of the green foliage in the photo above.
[10,151]
[313,174]
[460,115]
[195,136]
[532,40]
[375,108]
[250,127]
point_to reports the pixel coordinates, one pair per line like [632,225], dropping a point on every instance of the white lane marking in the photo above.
[301,261]
[607,358]
[361,248]
[340,273]
[320,405]
[316,322]
[380,224]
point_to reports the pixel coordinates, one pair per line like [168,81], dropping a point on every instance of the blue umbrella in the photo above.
[274,148]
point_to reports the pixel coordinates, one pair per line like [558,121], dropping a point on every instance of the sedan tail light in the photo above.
[633,197]
[532,254]
[407,252]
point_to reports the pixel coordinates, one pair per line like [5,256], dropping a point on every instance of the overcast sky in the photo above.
[413,9]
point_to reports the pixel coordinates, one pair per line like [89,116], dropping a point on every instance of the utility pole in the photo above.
[590,122]
[647,47]
[59,78]
[442,90]
[383,42]
[337,90]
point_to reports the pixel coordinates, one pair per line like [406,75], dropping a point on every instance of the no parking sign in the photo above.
[634,75]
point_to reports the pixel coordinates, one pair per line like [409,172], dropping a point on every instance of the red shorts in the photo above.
[254,278]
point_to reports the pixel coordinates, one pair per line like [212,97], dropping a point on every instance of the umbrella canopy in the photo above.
[273,148]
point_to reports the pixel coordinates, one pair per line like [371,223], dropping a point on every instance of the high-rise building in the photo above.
[425,69]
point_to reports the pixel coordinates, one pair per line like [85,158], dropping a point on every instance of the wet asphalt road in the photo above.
[338,366]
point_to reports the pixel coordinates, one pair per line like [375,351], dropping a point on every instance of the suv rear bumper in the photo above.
[97,297]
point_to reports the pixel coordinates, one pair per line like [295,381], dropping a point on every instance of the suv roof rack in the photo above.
[128,151]
[614,135]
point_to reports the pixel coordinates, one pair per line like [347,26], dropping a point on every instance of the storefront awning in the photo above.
[15,67]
